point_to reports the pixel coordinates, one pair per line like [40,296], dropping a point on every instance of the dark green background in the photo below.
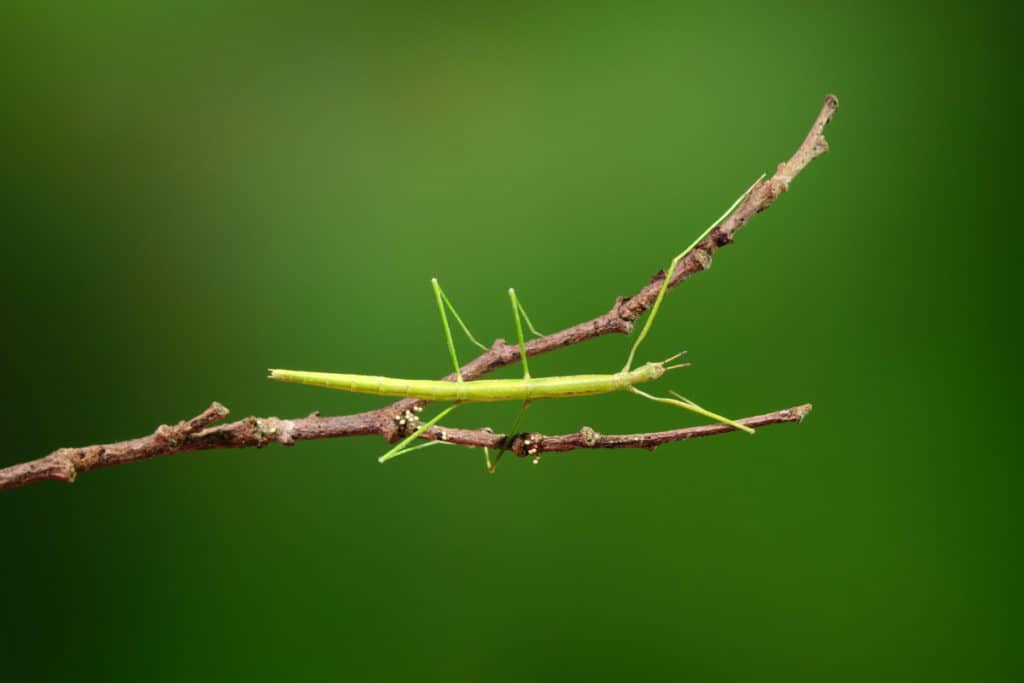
[194,192]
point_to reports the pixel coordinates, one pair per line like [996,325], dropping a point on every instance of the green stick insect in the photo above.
[528,388]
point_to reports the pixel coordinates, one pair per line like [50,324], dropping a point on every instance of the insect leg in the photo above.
[529,324]
[440,298]
[400,447]
[448,303]
[426,444]
[672,269]
[491,466]
[693,407]
[516,307]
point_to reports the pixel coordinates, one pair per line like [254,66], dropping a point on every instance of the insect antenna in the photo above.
[673,357]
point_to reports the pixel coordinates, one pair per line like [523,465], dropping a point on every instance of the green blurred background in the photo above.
[194,192]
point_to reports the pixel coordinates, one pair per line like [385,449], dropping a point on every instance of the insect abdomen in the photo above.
[475,391]
[370,384]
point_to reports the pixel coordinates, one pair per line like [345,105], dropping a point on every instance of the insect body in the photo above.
[480,390]
[526,389]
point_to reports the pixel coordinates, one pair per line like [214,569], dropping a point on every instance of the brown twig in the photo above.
[398,419]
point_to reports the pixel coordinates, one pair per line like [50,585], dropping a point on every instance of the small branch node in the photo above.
[214,413]
[528,445]
[589,436]
[407,422]
[702,257]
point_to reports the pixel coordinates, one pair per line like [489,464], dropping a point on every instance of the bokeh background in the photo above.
[194,192]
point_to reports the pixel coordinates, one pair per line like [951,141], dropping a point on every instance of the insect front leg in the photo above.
[672,269]
[693,407]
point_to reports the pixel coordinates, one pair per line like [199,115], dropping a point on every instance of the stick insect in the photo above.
[528,388]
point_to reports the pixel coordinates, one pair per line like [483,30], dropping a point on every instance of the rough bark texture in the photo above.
[400,418]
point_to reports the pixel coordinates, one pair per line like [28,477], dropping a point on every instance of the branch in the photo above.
[400,418]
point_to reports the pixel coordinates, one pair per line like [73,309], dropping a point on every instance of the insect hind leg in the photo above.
[507,441]
[400,447]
